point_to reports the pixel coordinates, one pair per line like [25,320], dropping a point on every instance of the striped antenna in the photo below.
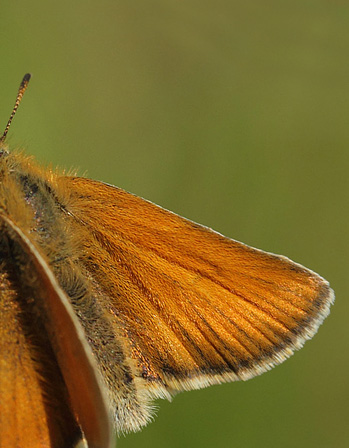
[21,90]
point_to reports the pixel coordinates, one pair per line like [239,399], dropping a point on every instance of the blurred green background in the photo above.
[233,114]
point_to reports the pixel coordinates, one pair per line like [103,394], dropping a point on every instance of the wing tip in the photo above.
[309,327]
[306,331]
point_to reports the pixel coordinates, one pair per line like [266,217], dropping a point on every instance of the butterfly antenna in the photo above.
[21,90]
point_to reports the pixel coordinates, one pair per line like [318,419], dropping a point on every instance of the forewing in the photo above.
[195,307]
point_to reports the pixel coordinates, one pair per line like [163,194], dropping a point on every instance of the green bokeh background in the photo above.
[233,114]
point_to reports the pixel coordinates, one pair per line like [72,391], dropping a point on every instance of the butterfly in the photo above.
[108,301]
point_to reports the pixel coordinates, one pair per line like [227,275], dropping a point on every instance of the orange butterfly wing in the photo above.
[195,308]
[37,329]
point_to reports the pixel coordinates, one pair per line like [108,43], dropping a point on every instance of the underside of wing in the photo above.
[48,387]
[34,404]
[196,308]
